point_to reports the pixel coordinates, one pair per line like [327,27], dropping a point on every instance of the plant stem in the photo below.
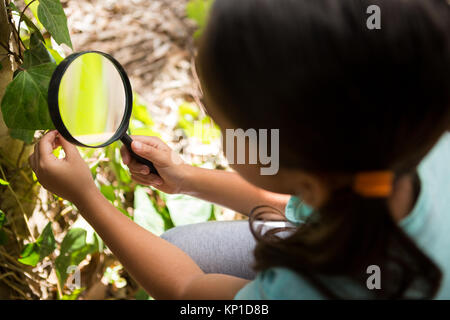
[20,22]
[20,154]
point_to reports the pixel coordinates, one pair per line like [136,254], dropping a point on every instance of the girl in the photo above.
[358,111]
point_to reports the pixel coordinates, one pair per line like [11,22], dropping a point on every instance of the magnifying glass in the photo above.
[90,101]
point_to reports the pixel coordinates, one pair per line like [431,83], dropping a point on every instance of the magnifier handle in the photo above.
[126,140]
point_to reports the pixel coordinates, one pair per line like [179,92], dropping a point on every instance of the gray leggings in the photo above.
[219,246]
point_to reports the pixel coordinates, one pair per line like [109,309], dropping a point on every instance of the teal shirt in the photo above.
[428,225]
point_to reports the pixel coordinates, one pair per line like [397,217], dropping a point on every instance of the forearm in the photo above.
[162,269]
[230,190]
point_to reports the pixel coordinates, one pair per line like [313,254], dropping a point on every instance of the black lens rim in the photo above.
[53,93]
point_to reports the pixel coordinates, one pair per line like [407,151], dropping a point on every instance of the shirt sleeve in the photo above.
[278,284]
[297,211]
[257,289]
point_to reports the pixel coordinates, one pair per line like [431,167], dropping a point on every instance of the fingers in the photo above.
[150,179]
[69,149]
[44,148]
[138,168]
[125,155]
[147,151]
[32,161]
[151,141]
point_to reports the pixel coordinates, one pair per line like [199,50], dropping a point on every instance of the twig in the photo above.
[20,154]
[6,275]
[58,285]
[19,203]
[20,22]
[3,253]
[16,57]
[18,40]
[17,289]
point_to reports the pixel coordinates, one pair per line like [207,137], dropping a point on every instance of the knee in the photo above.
[172,235]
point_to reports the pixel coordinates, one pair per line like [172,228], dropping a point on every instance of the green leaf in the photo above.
[28,22]
[52,16]
[30,255]
[37,251]
[145,213]
[46,241]
[25,135]
[34,9]
[142,295]
[108,192]
[74,249]
[24,105]
[55,55]
[37,53]
[185,209]
[140,112]
[92,238]
[74,295]
[3,182]
[74,240]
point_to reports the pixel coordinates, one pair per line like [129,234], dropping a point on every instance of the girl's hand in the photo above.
[170,166]
[70,177]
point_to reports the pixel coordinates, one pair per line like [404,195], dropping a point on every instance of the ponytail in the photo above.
[343,238]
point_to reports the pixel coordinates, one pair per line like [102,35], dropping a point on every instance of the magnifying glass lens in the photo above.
[92,99]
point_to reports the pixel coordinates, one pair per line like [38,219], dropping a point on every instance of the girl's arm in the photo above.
[224,188]
[162,269]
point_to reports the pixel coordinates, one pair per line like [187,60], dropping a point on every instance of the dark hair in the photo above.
[346,99]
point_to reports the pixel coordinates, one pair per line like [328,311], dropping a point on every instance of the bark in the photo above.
[20,182]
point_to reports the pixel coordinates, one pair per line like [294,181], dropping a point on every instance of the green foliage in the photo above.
[53,18]
[22,134]
[186,209]
[27,20]
[24,105]
[3,182]
[141,123]
[36,54]
[33,5]
[194,124]
[198,10]
[36,251]
[142,295]
[74,249]
[145,213]
[73,295]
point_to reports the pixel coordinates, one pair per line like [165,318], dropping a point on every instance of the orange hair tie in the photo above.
[373,184]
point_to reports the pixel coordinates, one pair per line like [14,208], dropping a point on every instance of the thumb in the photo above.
[69,149]
[45,145]
[148,152]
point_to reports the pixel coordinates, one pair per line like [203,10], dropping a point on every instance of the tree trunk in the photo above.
[21,189]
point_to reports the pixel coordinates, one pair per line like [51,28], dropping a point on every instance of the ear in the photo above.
[311,189]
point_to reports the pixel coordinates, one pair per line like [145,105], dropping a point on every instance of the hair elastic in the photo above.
[374,184]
